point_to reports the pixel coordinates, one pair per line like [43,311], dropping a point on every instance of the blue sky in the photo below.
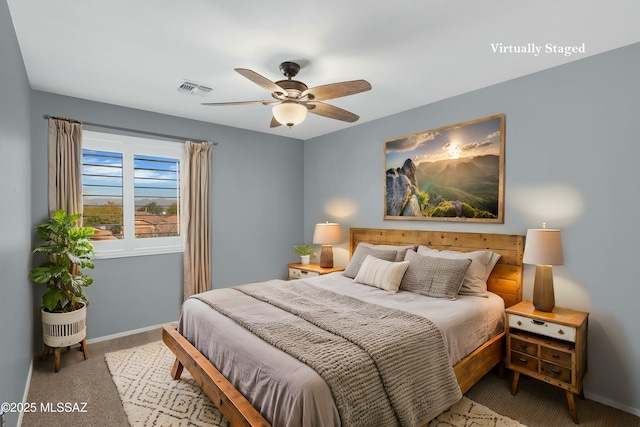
[103,175]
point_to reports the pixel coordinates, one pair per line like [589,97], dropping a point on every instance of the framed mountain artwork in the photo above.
[453,173]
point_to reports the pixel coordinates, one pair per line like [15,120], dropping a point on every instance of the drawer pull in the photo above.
[556,371]
[560,332]
[555,356]
[519,323]
[523,346]
[537,322]
[522,360]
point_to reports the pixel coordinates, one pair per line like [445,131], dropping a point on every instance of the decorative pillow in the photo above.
[361,253]
[475,280]
[400,250]
[434,277]
[382,274]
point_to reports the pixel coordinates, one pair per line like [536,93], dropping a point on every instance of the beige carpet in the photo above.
[150,396]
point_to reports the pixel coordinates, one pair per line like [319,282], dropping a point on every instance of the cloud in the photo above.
[494,135]
[428,136]
[411,142]
[101,171]
[148,174]
[402,144]
[424,158]
[475,145]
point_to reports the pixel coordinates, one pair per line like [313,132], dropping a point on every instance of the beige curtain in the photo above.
[65,166]
[196,217]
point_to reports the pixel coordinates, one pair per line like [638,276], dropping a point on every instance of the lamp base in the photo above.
[326,257]
[543,298]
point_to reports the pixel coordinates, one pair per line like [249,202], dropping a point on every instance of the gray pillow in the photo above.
[475,280]
[434,277]
[400,250]
[361,253]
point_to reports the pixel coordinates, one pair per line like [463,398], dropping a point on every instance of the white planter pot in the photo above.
[64,329]
[304,259]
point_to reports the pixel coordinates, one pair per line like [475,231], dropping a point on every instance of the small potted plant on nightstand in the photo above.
[305,253]
[64,306]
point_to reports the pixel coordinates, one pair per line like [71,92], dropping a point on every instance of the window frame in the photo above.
[129,146]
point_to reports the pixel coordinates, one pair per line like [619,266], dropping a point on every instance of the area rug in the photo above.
[150,396]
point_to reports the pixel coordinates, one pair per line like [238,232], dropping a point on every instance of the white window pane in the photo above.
[131,193]
[156,196]
[102,193]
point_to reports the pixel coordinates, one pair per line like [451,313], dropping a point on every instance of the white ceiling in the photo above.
[135,53]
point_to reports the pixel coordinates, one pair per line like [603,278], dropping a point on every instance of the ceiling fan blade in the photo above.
[336,90]
[263,82]
[240,103]
[331,111]
[274,123]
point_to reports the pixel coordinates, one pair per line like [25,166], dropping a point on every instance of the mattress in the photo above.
[289,393]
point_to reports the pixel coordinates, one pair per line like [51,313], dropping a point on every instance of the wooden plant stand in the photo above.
[56,350]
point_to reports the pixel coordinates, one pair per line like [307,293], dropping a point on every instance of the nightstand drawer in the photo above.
[524,346]
[556,372]
[296,273]
[523,361]
[548,329]
[555,356]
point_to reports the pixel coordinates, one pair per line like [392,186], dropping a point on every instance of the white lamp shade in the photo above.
[327,234]
[543,247]
[289,113]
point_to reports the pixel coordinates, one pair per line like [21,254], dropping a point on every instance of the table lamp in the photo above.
[543,247]
[326,234]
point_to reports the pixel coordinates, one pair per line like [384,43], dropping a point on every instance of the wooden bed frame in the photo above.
[505,280]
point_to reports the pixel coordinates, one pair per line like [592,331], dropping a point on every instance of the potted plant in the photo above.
[64,304]
[305,253]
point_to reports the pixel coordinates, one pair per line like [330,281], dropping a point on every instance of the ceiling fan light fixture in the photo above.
[289,113]
[292,98]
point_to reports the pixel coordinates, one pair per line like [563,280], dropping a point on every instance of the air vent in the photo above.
[201,90]
[187,87]
[194,88]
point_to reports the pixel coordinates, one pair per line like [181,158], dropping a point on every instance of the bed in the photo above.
[469,364]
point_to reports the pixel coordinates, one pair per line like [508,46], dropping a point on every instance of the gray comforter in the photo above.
[385,367]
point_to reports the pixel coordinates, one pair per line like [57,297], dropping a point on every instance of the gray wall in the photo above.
[15,226]
[571,149]
[257,207]
[571,161]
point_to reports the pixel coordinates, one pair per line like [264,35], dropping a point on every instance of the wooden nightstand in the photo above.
[300,271]
[551,347]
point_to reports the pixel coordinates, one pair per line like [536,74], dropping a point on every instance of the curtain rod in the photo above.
[161,135]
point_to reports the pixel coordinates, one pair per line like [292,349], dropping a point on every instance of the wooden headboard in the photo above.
[506,277]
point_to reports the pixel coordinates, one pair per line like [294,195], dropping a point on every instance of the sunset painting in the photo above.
[453,173]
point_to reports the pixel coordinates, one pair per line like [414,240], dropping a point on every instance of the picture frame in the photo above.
[452,173]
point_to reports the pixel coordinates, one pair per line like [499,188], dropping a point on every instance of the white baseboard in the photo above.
[612,403]
[26,392]
[127,333]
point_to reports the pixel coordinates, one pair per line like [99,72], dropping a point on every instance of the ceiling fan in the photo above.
[292,98]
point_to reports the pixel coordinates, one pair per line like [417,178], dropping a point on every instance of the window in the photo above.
[131,194]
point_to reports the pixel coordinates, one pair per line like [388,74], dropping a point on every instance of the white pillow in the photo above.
[475,279]
[400,250]
[382,274]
